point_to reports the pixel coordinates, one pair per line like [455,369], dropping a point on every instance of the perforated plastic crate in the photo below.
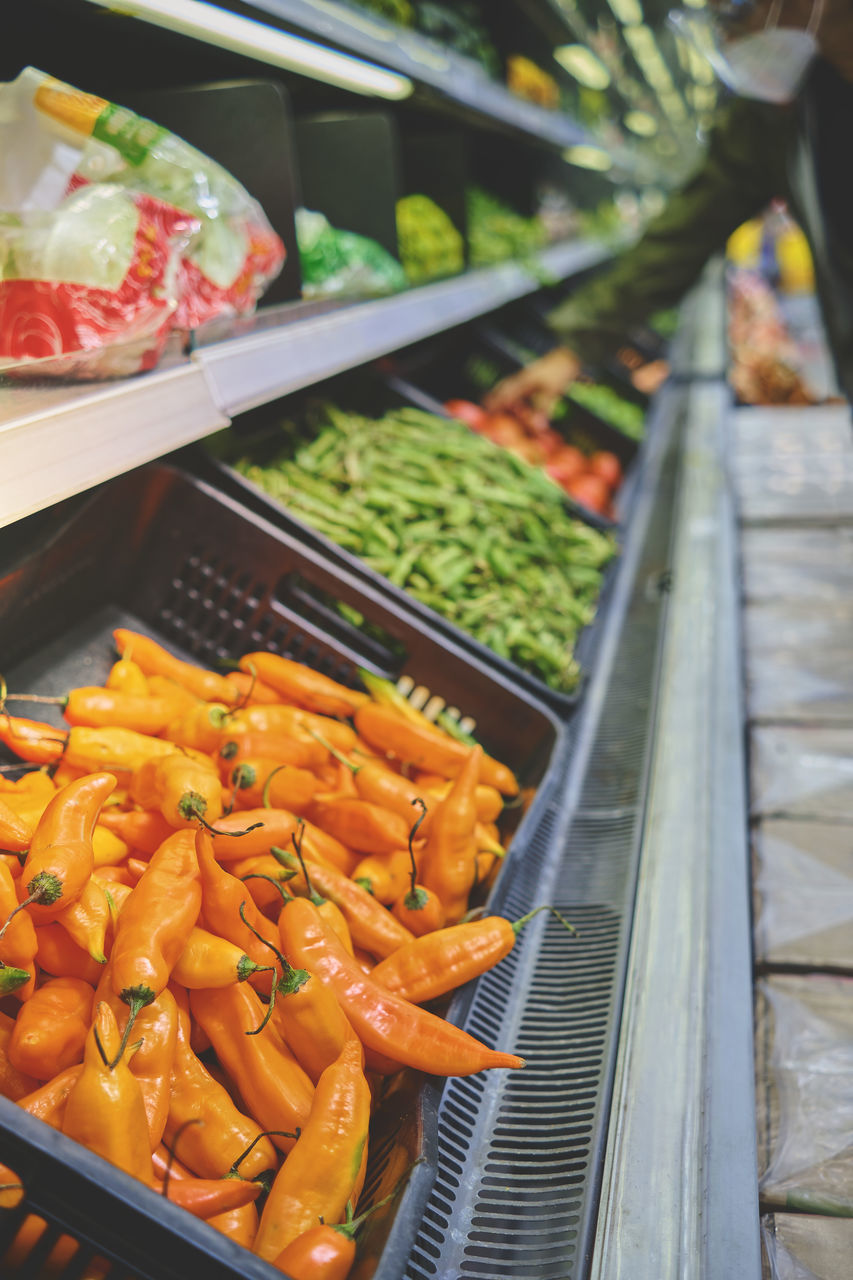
[164,552]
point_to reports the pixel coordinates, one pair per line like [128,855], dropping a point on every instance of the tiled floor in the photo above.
[792,472]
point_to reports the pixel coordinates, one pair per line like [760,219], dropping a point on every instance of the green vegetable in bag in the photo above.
[338,263]
[430,245]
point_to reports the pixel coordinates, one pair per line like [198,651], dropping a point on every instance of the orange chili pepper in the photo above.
[112,747]
[199,726]
[296,722]
[87,918]
[391,1026]
[183,788]
[235,747]
[448,863]
[104,1110]
[273,1086]
[15,833]
[252,692]
[263,877]
[97,707]
[51,1028]
[60,956]
[258,781]
[384,877]
[210,961]
[267,827]
[318,1178]
[223,897]
[154,924]
[35,782]
[426,747]
[365,827]
[27,1241]
[204,1124]
[19,944]
[152,1061]
[155,660]
[11,1188]
[419,909]
[308,1018]
[142,829]
[61,858]
[323,1252]
[108,848]
[127,676]
[371,926]
[239,1225]
[32,740]
[206,1198]
[14,1084]
[298,683]
[47,1101]
[489,801]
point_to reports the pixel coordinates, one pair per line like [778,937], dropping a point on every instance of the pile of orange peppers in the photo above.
[226,902]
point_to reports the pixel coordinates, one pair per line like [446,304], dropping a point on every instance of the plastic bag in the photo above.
[804,895]
[805,1246]
[337,263]
[804,1055]
[128,232]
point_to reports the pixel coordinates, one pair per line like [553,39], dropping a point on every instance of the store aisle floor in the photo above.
[792,472]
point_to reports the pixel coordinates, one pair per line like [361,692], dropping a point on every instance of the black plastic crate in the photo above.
[373,395]
[164,552]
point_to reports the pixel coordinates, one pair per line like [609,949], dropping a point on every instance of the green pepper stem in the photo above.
[136,998]
[519,924]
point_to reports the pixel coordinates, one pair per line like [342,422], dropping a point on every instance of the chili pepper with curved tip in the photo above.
[47,1101]
[299,683]
[154,659]
[274,1087]
[261,782]
[325,1251]
[14,1084]
[51,1028]
[370,925]
[61,859]
[448,862]
[87,919]
[97,707]
[60,956]
[204,1126]
[32,740]
[154,924]
[142,829]
[426,747]
[361,825]
[391,1026]
[318,1178]
[15,833]
[230,911]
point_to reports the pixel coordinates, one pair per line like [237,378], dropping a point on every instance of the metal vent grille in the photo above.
[535,1147]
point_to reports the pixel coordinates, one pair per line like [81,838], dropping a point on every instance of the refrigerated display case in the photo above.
[627,1145]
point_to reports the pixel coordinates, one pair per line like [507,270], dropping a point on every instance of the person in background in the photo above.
[787,133]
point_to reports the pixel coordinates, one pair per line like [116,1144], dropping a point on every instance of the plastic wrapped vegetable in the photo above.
[144,185]
[341,263]
[496,232]
[430,245]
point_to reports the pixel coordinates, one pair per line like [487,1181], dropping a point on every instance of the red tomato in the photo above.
[473,415]
[566,463]
[590,491]
[503,428]
[606,465]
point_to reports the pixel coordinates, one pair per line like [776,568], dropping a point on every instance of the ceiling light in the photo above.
[226,30]
[586,157]
[582,63]
[642,123]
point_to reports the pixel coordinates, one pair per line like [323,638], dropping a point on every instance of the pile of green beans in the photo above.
[463,525]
